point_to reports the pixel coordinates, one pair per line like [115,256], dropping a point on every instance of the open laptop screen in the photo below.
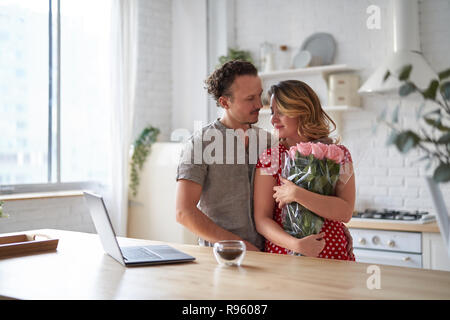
[103,225]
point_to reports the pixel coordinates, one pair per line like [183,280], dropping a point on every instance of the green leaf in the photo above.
[426,157]
[395,114]
[406,140]
[444,74]
[405,72]
[442,173]
[435,111]
[437,124]
[392,138]
[444,139]
[406,89]
[419,111]
[382,115]
[430,93]
[445,90]
[386,75]
[142,147]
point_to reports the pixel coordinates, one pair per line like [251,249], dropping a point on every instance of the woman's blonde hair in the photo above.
[296,99]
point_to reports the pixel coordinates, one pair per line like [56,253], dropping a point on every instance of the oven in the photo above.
[395,248]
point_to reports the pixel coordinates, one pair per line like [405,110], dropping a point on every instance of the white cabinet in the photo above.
[151,214]
[434,252]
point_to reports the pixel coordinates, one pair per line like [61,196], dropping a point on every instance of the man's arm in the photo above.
[187,196]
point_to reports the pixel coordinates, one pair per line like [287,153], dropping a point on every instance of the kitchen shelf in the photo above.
[324,70]
[326,108]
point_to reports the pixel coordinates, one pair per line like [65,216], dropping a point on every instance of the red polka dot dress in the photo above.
[335,239]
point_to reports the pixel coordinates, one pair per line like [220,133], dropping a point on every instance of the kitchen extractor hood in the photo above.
[406,51]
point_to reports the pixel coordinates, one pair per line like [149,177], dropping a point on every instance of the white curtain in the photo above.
[123,81]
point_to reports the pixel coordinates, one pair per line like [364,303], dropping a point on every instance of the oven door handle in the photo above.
[379,256]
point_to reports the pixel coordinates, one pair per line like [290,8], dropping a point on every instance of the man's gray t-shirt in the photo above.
[218,160]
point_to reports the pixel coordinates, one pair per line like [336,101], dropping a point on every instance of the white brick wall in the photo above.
[384,177]
[68,213]
[154,69]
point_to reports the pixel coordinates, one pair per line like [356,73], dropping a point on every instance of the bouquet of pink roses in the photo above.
[314,167]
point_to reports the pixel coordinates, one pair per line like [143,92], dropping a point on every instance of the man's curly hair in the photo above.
[219,82]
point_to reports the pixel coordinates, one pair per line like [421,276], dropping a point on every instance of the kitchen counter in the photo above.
[79,269]
[397,226]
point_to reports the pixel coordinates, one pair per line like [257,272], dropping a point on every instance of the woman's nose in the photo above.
[274,119]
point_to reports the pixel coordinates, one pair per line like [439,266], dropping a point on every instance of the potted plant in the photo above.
[2,214]
[235,54]
[140,151]
[432,136]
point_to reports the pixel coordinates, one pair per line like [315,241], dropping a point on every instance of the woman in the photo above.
[298,117]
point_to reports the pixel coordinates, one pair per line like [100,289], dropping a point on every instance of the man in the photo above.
[222,190]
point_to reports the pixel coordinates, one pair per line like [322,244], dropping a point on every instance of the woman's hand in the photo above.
[286,193]
[310,246]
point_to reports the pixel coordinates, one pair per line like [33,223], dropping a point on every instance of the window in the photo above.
[24,91]
[55,71]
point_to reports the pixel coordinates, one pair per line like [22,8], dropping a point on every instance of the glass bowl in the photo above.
[229,252]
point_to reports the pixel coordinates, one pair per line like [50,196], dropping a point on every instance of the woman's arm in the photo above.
[270,229]
[338,208]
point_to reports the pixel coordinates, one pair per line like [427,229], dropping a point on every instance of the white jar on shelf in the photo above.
[266,57]
[284,59]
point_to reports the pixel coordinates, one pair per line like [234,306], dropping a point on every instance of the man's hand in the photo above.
[250,247]
[349,243]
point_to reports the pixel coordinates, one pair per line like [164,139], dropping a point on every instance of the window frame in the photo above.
[54,117]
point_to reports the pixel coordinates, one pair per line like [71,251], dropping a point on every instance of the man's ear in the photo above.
[224,102]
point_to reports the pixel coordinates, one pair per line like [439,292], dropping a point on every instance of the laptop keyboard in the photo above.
[139,253]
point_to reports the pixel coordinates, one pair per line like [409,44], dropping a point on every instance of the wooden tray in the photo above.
[23,244]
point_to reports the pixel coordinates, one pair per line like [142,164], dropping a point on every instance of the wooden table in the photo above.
[79,269]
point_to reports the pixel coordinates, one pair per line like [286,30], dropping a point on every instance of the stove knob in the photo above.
[391,243]
[362,241]
[375,240]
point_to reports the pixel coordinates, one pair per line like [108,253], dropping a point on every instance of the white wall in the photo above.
[385,178]
[189,63]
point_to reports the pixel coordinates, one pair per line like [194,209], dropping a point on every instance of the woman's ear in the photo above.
[223,101]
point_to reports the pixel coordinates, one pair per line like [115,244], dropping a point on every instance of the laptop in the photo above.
[128,256]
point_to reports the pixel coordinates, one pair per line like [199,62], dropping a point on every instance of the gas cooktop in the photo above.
[403,216]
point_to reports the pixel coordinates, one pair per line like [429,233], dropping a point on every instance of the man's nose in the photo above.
[259,103]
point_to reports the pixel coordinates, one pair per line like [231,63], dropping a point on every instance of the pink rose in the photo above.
[319,150]
[304,148]
[292,152]
[335,153]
